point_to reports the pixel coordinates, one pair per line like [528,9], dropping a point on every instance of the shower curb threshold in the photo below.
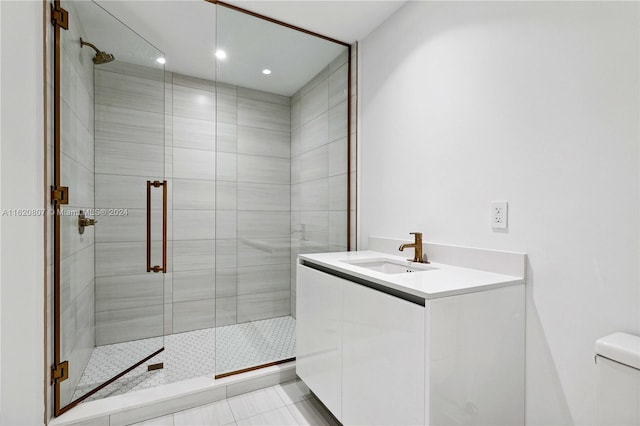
[132,407]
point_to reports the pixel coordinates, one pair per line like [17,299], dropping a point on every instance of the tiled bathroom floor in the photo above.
[285,404]
[186,355]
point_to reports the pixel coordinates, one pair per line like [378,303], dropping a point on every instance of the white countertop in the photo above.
[443,281]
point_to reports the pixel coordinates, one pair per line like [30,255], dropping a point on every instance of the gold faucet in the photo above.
[417,246]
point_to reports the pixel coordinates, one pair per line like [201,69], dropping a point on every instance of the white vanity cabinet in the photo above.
[377,355]
[319,335]
[360,351]
[382,358]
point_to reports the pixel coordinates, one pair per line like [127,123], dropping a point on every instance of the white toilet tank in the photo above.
[618,363]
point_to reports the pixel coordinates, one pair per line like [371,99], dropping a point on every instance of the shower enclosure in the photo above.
[187,178]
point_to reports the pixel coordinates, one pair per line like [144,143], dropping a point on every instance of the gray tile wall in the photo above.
[129,150]
[191,153]
[263,205]
[77,164]
[229,203]
[319,169]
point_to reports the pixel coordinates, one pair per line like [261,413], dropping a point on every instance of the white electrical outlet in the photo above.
[499,214]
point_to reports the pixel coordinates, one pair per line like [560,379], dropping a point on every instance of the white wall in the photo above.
[533,103]
[22,156]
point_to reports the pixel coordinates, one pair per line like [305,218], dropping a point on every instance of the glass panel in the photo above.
[192,113]
[112,127]
[282,188]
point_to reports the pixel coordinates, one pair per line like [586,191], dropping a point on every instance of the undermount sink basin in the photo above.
[387,266]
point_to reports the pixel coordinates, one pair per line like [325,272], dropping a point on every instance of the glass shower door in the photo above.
[113,254]
[281,184]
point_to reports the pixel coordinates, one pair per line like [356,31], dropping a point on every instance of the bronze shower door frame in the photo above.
[350,244]
[59,196]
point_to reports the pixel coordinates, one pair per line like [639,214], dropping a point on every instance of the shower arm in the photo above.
[85,43]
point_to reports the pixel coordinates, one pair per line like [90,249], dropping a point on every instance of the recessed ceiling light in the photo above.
[161,60]
[221,54]
[266,71]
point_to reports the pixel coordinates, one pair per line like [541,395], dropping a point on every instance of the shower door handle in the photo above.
[157,268]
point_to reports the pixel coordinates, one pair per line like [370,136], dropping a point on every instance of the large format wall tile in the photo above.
[194,103]
[314,103]
[263,96]
[226,195]
[194,285]
[264,115]
[338,153]
[194,82]
[263,224]
[338,192]
[227,166]
[319,78]
[227,135]
[314,195]
[258,169]
[110,193]
[194,133]
[193,255]
[338,122]
[260,279]
[124,91]
[226,111]
[256,196]
[76,139]
[315,226]
[314,164]
[254,307]
[78,272]
[79,179]
[133,159]
[134,70]
[127,228]
[338,85]
[226,224]
[116,259]
[71,242]
[129,125]
[226,282]
[338,228]
[194,315]
[194,224]
[194,164]
[226,253]
[315,133]
[263,251]
[226,312]
[270,143]
[123,325]
[133,291]
[194,194]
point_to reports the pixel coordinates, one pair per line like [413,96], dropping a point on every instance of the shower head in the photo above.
[100,57]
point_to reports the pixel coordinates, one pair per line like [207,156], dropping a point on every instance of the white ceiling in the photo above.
[188,33]
[347,21]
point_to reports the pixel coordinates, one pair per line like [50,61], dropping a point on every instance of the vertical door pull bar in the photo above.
[148,226]
[164,226]
[157,268]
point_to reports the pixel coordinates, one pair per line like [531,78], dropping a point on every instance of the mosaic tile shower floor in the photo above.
[188,355]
